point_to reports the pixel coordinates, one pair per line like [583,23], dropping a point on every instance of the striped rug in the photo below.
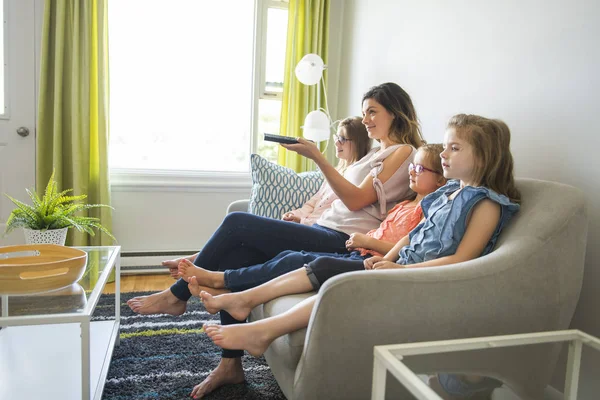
[164,357]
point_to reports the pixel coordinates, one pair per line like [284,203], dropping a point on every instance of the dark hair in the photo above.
[361,142]
[405,128]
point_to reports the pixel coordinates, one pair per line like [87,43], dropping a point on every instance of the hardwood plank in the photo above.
[142,283]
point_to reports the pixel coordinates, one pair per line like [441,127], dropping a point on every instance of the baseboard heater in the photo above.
[149,262]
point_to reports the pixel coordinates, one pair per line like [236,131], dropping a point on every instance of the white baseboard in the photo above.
[140,263]
[144,260]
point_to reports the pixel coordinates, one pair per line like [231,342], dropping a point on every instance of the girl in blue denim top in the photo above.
[462,221]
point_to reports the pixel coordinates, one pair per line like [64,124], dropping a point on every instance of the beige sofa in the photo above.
[529,283]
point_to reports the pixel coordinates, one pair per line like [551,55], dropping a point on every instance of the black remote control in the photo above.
[280,139]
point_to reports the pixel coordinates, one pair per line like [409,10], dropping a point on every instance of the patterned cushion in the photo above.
[277,189]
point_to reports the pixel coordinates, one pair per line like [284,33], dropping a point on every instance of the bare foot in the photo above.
[248,337]
[228,372]
[233,303]
[172,265]
[195,288]
[163,302]
[214,279]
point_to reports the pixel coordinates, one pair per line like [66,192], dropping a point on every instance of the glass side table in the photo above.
[389,358]
[48,344]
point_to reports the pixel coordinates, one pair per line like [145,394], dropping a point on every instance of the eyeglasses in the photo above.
[341,139]
[418,168]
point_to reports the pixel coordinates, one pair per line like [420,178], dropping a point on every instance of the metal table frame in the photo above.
[84,320]
[389,358]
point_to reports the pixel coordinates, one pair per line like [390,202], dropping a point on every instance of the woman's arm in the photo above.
[354,197]
[480,228]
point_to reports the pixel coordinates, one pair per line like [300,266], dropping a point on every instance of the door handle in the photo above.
[22,131]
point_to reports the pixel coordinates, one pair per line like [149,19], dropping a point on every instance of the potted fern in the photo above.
[48,219]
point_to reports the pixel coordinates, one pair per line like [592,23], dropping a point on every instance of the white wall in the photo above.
[534,64]
[179,214]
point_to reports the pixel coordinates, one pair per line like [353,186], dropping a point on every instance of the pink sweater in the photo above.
[311,210]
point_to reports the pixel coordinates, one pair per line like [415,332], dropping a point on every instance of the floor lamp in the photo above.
[317,124]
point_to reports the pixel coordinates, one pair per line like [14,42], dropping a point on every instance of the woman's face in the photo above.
[344,149]
[376,119]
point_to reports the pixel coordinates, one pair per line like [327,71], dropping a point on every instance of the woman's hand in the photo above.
[357,240]
[305,148]
[369,262]
[289,216]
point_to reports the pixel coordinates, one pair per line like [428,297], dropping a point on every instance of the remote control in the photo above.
[280,139]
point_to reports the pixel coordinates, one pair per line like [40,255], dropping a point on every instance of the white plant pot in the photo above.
[49,236]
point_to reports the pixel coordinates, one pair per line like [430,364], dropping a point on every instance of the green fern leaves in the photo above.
[55,210]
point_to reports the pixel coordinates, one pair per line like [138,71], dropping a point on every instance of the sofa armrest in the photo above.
[238,205]
[359,310]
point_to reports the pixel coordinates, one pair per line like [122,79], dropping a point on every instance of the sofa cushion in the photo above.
[277,190]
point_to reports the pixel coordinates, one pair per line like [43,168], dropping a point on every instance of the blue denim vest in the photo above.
[440,234]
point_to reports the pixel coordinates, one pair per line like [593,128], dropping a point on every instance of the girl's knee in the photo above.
[320,262]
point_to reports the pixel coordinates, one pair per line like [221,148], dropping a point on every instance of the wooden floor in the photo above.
[142,283]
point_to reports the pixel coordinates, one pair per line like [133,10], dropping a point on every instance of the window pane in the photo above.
[181,79]
[276,37]
[269,112]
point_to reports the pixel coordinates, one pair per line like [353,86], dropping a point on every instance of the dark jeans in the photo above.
[240,279]
[323,268]
[245,239]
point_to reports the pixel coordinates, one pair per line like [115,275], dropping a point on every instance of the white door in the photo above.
[18,98]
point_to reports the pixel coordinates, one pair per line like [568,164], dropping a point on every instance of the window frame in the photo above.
[177,180]
[260,61]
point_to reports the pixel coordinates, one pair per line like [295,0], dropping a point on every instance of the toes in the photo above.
[205,295]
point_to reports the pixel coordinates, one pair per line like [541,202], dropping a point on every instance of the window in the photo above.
[181,83]
[275,14]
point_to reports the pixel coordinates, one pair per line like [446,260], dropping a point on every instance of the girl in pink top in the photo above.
[425,177]
[398,223]
[351,144]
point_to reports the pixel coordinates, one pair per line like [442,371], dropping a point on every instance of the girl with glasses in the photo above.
[352,143]
[399,222]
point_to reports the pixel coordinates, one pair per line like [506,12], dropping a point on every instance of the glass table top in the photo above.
[74,299]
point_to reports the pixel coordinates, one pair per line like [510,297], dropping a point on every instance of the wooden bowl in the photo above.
[36,268]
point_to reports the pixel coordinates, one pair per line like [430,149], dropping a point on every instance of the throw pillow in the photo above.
[277,189]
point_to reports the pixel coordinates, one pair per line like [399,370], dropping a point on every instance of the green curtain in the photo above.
[72,132]
[308,32]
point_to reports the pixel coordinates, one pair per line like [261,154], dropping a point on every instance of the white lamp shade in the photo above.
[310,69]
[316,126]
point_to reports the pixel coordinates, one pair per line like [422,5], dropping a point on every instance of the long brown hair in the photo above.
[490,139]
[361,142]
[405,128]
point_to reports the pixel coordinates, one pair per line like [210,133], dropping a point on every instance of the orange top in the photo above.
[399,222]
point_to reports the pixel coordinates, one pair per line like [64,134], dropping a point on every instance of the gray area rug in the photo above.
[164,357]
